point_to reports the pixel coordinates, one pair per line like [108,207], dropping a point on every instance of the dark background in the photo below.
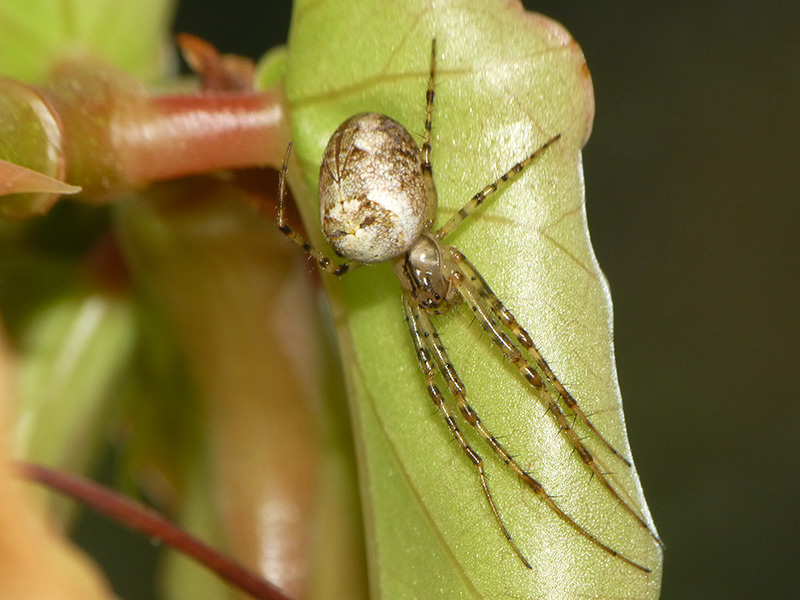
[692,183]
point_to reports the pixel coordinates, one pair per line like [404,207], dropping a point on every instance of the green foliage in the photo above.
[506,82]
[36,34]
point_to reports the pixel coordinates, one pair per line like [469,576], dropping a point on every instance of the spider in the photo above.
[378,203]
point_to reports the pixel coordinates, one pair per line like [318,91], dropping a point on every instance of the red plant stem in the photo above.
[148,522]
[174,136]
[114,134]
[96,127]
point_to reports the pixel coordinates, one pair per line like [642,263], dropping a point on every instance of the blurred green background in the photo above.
[692,193]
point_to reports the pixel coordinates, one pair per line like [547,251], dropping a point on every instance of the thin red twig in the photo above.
[140,518]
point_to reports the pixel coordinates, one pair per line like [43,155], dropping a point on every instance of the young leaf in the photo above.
[506,82]
[38,191]
[36,34]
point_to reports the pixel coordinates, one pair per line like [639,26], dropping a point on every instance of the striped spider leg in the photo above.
[489,312]
[378,203]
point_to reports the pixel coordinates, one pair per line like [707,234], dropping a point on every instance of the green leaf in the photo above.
[506,82]
[73,352]
[36,34]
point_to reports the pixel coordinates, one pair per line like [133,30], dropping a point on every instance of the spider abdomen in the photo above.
[373,200]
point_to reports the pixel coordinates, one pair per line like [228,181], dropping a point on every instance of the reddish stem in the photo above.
[174,136]
[148,522]
[116,134]
[96,127]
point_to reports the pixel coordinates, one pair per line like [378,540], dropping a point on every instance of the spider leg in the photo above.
[523,337]
[431,344]
[471,206]
[427,168]
[324,262]
[483,313]
[428,367]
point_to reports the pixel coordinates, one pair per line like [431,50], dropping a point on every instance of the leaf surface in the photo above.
[36,34]
[506,82]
